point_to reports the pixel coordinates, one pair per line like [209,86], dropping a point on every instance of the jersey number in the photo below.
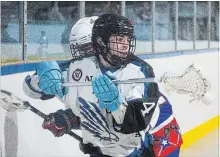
[147,107]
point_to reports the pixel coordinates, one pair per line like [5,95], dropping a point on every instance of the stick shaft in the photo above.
[42,115]
[36,111]
[129,81]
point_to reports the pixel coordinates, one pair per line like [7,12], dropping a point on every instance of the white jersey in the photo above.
[103,128]
[112,142]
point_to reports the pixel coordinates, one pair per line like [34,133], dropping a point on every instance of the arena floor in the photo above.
[208,146]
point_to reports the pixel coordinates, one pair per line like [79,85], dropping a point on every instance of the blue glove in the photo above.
[107,93]
[50,77]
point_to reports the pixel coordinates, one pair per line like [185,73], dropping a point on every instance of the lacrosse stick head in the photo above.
[12,103]
[192,82]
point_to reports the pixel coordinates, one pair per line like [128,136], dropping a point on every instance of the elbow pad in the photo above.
[31,88]
[139,112]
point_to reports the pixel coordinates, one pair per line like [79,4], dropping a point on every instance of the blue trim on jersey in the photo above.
[144,144]
[136,152]
[147,139]
[144,70]
[165,112]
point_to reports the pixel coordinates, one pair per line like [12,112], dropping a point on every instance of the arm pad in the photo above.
[139,112]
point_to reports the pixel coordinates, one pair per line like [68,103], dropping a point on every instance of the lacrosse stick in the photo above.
[12,103]
[192,82]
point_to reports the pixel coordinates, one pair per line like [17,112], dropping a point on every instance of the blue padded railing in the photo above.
[25,67]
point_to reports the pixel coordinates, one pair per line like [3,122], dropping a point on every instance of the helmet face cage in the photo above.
[120,60]
[80,51]
[113,25]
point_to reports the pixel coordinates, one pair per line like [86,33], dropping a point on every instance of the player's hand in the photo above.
[107,93]
[50,79]
[61,122]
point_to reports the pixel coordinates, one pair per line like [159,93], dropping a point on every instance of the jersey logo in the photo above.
[77,74]
[148,107]
[88,78]
[94,122]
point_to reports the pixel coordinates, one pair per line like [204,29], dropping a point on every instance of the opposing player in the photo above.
[116,120]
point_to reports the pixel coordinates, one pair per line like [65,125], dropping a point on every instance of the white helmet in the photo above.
[80,37]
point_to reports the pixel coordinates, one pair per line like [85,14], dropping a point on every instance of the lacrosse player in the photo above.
[115,119]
